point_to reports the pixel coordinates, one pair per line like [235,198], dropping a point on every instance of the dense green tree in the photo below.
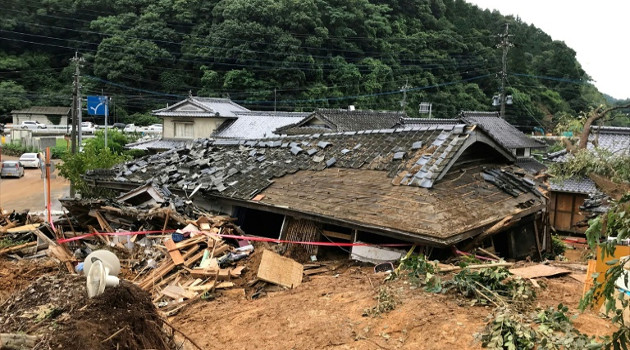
[301,53]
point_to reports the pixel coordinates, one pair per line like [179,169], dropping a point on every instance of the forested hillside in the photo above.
[295,54]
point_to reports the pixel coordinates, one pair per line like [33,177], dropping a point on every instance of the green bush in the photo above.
[16,149]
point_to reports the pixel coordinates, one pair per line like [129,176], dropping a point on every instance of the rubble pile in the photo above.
[54,312]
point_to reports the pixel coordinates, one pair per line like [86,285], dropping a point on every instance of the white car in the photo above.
[32,125]
[130,128]
[30,160]
[88,128]
[155,127]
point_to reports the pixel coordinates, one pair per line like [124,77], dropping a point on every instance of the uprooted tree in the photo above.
[594,115]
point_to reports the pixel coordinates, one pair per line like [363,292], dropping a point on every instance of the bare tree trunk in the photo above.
[596,115]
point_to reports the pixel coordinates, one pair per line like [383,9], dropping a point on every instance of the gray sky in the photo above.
[596,30]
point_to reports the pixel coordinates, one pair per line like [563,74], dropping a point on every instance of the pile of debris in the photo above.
[54,312]
[168,247]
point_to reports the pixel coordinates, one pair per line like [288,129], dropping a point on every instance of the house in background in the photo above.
[567,196]
[203,117]
[324,120]
[196,117]
[44,114]
[256,124]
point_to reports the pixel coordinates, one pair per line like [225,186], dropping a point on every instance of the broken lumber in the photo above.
[449,268]
[173,252]
[17,248]
[279,270]
[17,341]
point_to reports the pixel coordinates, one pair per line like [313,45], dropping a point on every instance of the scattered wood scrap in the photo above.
[279,270]
[539,270]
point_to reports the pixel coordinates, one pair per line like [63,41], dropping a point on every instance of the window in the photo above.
[520,152]
[183,130]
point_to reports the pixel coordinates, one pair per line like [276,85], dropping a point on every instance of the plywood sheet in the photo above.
[279,270]
[537,271]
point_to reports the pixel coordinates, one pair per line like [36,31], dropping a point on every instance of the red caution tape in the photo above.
[249,238]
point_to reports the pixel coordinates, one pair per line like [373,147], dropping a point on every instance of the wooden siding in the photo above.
[564,211]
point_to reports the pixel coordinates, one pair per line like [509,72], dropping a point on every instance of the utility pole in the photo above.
[76,109]
[505,44]
[404,89]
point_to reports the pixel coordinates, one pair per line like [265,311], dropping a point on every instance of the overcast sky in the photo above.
[597,31]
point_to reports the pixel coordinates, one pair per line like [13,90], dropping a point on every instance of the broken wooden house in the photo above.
[437,186]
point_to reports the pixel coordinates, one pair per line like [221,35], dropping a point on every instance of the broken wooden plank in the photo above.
[316,271]
[540,270]
[279,270]
[23,229]
[173,252]
[339,235]
[236,272]
[450,268]
[224,285]
[17,248]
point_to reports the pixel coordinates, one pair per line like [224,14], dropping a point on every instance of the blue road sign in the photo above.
[97,105]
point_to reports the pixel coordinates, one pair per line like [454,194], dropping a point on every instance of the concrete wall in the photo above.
[19,118]
[201,127]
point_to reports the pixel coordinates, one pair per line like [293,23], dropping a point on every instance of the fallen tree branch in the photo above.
[448,268]
[17,341]
[183,334]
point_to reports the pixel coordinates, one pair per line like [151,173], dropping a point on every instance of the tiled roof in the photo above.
[428,121]
[574,185]
[609,138]
[559,156]
[339,120]
[612,139]
[530,165]
[43,110]
[257,125]
[161,144]
[500,130]
[405,180]
[204,107]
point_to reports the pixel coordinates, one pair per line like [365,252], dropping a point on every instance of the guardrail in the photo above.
[62,130]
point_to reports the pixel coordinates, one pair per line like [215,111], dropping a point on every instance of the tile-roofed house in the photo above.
[196,117]
[435,185]
[43,114]
[567,195]
[337,120]
[613,139]
[257,124]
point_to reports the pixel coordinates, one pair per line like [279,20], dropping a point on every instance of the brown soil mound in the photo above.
[121,318]
[57,308]
[16,275]
[37,307]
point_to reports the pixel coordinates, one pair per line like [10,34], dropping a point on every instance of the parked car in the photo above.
[119,126]
[88,128]
[130,128]
[32,125]
[30,160]
[11,168]
[155,127]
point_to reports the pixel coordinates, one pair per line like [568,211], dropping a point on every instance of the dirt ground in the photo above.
[28,191]
[326,312]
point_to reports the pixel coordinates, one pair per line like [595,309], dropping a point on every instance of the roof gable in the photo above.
[201,107]
[45,110]
[500,130]
[341,120]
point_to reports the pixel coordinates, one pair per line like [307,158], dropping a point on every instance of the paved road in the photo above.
[28,191]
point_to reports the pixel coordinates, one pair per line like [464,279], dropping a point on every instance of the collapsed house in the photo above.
[436,186]
[567,197]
